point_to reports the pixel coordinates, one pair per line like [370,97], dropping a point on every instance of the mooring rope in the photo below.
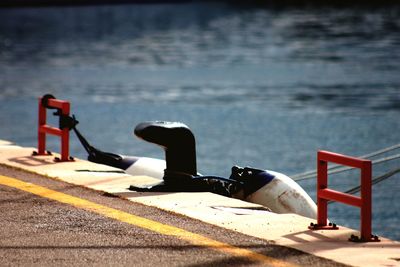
[374,181]
[338,168]
[382,151]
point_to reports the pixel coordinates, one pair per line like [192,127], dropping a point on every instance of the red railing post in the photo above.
[322,183]
[366,196]
[324,193]
[41,134]
[63,109]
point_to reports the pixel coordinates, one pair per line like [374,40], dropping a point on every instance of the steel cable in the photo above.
[373,182]
[339,168]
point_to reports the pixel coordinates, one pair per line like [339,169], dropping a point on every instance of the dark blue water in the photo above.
[259,87]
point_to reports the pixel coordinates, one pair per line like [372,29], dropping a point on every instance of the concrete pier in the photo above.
[287,230]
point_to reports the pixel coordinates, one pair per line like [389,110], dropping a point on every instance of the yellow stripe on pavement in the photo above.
[151,225]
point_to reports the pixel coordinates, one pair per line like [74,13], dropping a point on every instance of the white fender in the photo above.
[283,195]
[280,195]
[148,166]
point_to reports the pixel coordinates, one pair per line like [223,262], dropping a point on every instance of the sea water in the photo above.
[259,86]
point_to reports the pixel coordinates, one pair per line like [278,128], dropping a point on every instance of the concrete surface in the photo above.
[287,230]
[38,231]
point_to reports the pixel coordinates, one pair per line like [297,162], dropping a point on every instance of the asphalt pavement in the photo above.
[37,231]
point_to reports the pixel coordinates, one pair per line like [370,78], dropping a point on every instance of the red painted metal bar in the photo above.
[322,183]
[341,159]
[340,197]
[324,193]
[366,196]
[43,128]
[50,130]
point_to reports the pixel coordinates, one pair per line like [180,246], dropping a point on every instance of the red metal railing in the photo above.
[324,193]
[63,108]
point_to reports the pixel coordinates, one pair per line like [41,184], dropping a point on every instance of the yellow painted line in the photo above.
[151,225]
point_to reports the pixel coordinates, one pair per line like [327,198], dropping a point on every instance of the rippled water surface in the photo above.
[258,86]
